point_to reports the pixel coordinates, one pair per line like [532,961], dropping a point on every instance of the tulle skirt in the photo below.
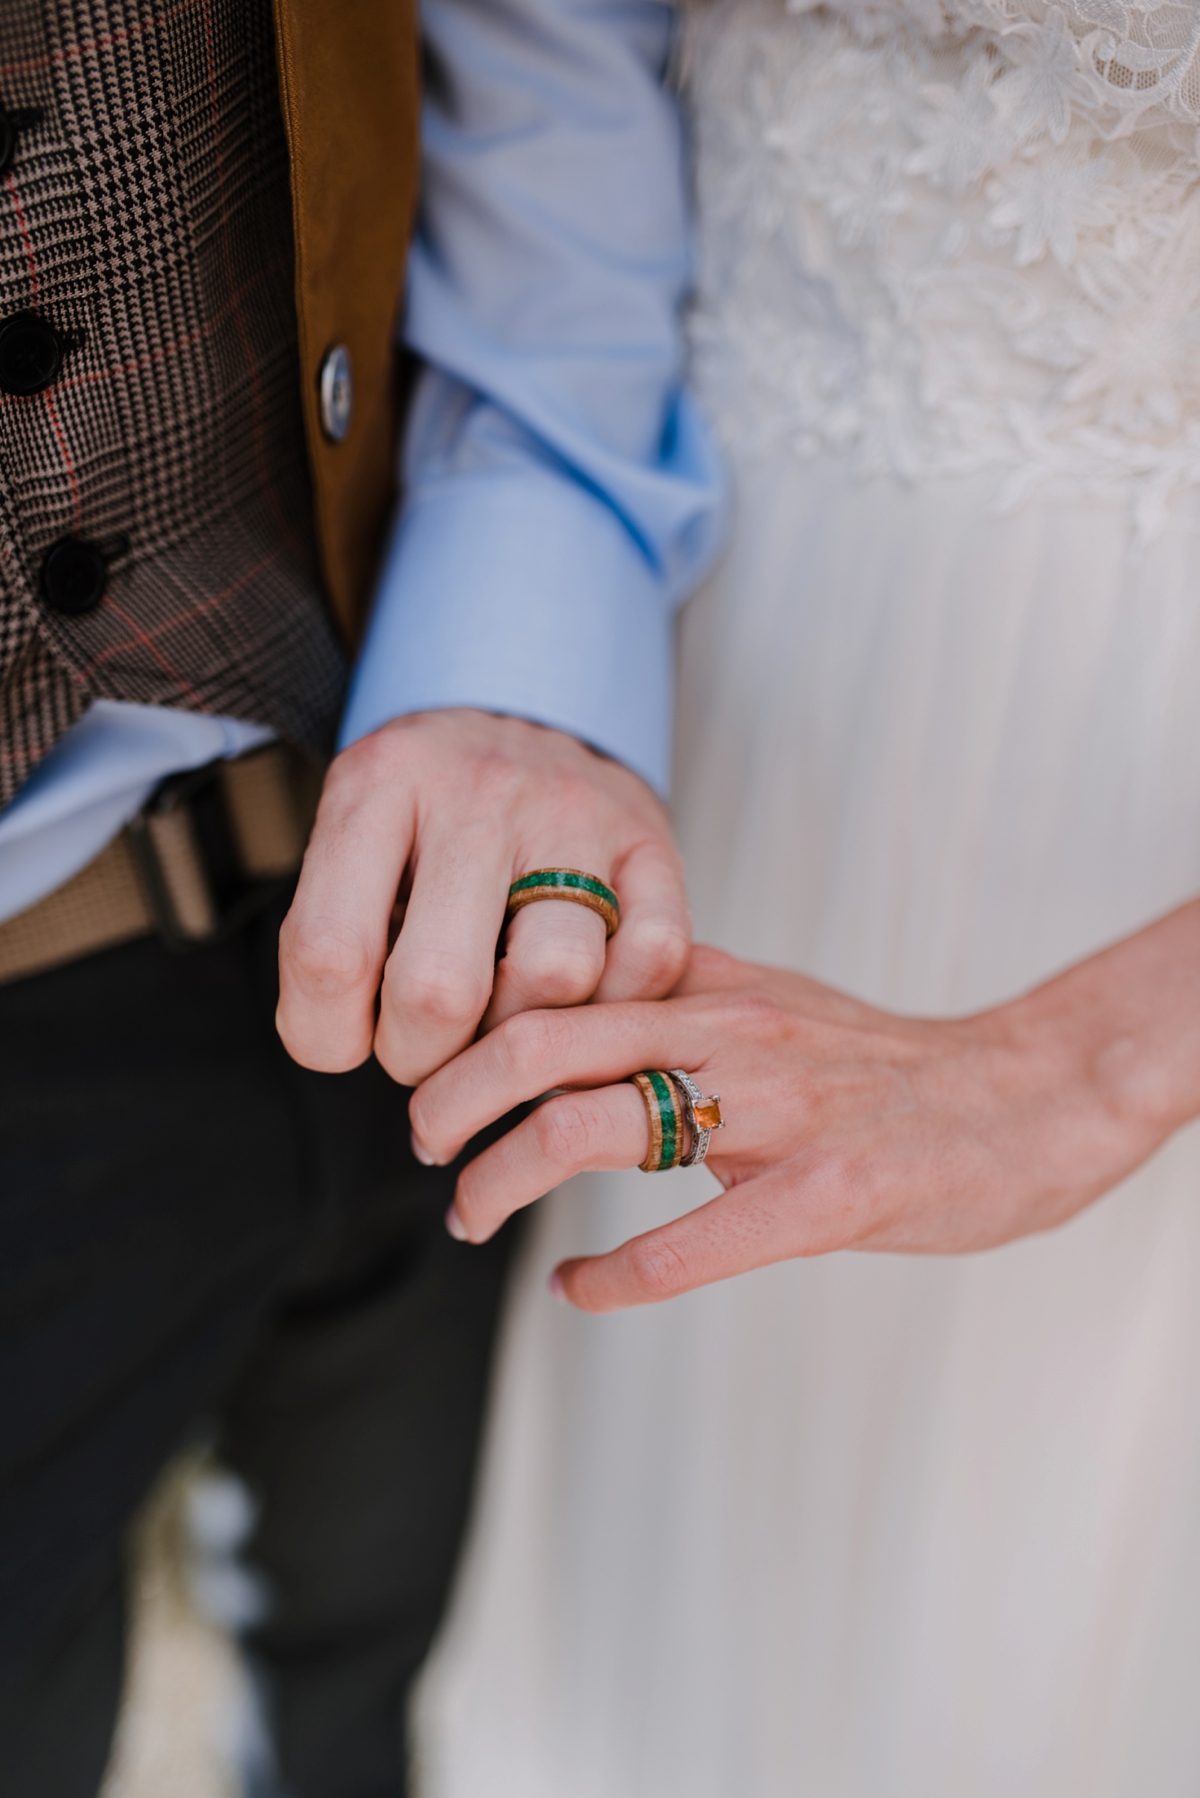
[871,1526]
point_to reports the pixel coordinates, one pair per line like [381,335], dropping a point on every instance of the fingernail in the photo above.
[455,1225]
[422,1154]
[557,1289]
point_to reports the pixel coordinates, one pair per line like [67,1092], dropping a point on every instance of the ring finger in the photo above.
[554,954]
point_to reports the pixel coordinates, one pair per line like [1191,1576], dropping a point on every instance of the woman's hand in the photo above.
[847,1127]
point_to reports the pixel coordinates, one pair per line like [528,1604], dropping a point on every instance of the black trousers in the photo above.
[194,1229]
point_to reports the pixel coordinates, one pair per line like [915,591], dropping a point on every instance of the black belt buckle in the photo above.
[192,870]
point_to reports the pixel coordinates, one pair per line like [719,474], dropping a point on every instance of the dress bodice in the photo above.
[950,235]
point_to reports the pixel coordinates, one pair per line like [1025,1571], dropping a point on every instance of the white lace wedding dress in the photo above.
[872,1527]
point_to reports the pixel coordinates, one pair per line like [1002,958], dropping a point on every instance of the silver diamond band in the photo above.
[692,1096]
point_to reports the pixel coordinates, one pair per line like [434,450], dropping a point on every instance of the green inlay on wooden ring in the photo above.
[669,1113]
[575,884]
[569,878]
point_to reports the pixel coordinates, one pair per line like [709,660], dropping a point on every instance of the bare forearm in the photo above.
[1128,1019]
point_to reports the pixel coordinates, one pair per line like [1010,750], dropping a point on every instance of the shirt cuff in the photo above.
[518,592]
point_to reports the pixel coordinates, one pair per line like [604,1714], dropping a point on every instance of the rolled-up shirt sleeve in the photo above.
[561,491]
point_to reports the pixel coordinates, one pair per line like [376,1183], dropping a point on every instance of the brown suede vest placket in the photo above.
[160,421]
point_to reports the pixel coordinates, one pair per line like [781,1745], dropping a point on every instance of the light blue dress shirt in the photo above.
[561,493]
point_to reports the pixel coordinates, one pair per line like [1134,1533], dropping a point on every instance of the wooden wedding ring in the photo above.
[566,883]
[664,1109]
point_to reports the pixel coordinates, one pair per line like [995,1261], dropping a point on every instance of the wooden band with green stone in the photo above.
[665,1111]
[566,883]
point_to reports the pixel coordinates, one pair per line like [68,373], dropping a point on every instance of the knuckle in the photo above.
[440,996]
[659,953]
[754,1015]
[492,783]
[561,973]
[325,960]
[535,1043]
[568,1131]
[371,759]
[513,768]
[657,1268]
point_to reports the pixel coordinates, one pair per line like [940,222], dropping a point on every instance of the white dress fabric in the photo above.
[870,1526]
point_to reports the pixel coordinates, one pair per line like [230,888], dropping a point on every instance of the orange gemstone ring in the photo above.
[703,1116]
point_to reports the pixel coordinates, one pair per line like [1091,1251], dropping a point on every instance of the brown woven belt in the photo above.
[207,850]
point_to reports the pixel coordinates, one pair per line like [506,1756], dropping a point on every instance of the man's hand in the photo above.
[432,818]
[847,1127]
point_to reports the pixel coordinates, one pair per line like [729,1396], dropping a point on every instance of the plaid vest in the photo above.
[178,253]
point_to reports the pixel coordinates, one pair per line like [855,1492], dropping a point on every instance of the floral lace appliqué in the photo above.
[953,235]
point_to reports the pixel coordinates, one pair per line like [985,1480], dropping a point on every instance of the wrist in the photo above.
[1121,1030]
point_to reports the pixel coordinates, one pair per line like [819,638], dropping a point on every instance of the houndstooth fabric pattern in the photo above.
[150,214]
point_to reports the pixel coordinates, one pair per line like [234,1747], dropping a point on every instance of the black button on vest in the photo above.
[74,576]
[11,123]
[31,353]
